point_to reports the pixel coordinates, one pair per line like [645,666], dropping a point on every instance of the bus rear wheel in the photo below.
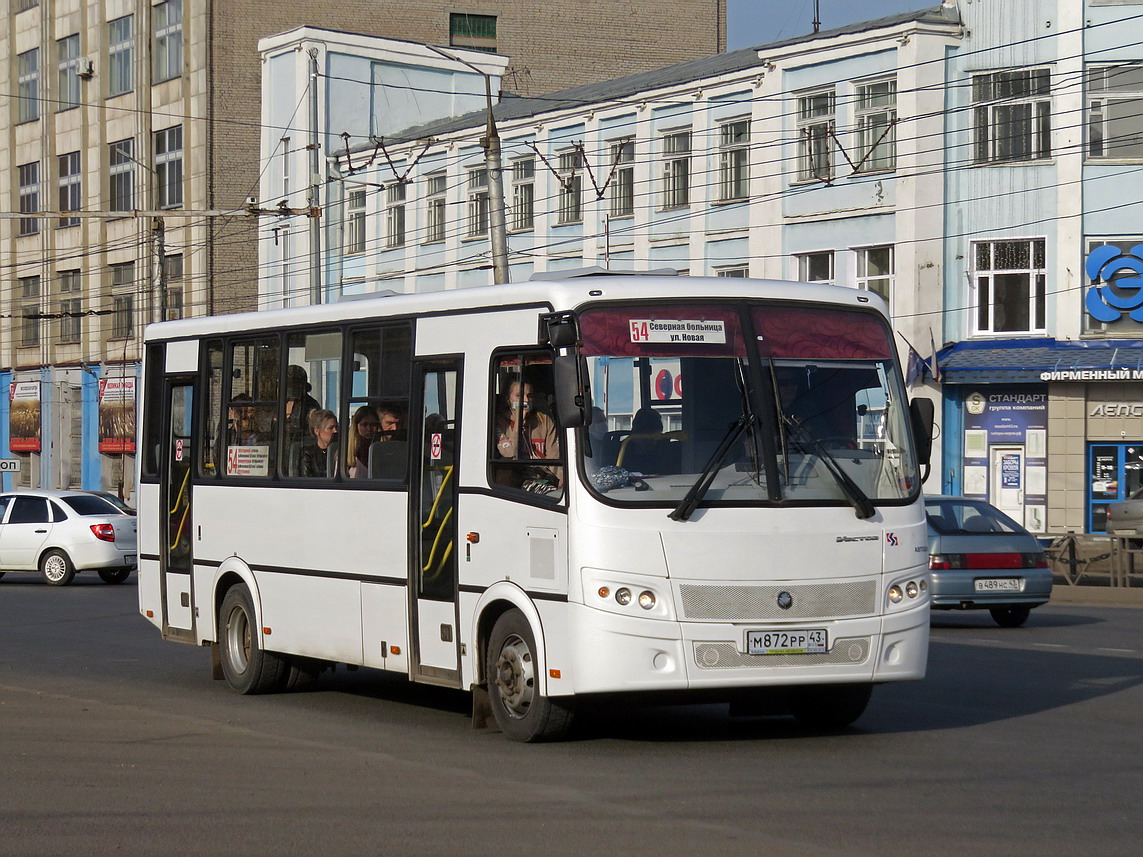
[246,666]
[521,711]
[829,706]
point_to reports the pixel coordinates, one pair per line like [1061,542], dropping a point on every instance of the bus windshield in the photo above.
[716,404]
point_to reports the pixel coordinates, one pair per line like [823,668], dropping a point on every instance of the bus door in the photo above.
[175,556]
[433,547]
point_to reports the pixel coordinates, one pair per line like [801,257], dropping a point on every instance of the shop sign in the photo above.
[117,414]
[1116,409]
[24,416]
[1107,264]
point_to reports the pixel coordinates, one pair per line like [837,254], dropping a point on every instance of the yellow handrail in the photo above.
[182,490]
[436,541]
[437,499]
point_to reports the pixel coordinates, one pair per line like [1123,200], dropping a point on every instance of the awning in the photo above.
[1037,361]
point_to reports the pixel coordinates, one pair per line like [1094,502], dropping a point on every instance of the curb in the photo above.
[1097,596]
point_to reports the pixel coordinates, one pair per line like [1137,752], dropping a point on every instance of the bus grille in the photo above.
[721,656]
[760,603]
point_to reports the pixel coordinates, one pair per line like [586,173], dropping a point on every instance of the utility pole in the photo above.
[159,230]
[314,197]
[491,144]
[817,15]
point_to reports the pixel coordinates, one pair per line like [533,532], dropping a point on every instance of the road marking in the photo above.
[1117,651]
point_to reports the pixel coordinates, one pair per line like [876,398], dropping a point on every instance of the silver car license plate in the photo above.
[804,641]
[998,584]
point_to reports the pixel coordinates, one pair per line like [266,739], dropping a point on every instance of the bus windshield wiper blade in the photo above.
[690,502]
[862,505]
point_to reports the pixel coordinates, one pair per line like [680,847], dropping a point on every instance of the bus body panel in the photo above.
[384,626]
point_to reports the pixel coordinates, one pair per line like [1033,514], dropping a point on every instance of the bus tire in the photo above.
[521,711]
[56,568]
[114,575]
[1012,616]
[829,706]
[245,665]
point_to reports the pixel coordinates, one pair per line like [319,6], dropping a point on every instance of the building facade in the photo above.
[131,148]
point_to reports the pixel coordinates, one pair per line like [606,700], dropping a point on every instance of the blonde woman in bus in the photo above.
[519,418]
[362,432]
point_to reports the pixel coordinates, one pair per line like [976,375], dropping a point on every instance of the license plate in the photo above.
[998,584]
[129,559]
[806,641]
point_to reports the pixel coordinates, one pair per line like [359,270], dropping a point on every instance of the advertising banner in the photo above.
[24,419]
[117,414]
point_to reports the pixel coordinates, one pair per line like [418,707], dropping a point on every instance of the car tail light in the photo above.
[103,532]
[946,561]
[978,561]
[1036,560]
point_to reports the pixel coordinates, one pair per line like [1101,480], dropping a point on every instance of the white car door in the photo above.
[27,527]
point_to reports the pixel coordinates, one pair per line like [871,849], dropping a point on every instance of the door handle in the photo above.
[41,531]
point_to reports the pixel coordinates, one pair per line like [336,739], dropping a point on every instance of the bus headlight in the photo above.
[646,599]
[911,589]
[895,594]
[623,595]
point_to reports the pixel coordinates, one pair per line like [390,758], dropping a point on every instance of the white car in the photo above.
[58,533]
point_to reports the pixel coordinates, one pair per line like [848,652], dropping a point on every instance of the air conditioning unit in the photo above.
[85,68]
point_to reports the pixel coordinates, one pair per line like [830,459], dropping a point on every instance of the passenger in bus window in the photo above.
[391,421]
[362,431]
[318,458]
[240,423]
[518,419]
[299,402]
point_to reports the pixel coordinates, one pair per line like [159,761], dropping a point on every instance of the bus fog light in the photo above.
[923,584]
[623,595]
[911,589]
[646,600]
[604,592]
[895,594]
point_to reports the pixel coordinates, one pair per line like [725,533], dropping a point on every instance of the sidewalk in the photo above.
[1087,580]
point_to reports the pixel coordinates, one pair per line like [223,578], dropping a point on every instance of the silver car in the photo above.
[980,559]
[58,533]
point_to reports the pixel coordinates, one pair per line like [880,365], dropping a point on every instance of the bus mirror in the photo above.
[559,329]
[921,412]
[573,394]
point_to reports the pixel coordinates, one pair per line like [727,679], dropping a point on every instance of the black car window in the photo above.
[29,510]
[89,504]
[4,501]
[959,518]
[58,514]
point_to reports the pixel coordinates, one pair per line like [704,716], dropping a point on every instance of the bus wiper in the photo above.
[857,498]
[690,502]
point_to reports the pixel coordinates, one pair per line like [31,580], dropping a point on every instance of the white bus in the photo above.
[500,490]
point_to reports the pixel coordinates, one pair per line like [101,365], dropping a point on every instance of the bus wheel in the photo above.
[1010,617]
[245,665]
[829,706]
[521,711]
[114,575]
[56,568]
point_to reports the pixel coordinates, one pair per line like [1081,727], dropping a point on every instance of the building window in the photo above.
[173,280]
[816,267]
[355,223]
[571,187]
[477,32]
[1012,115]
[168,43]
[28,85]
[815,135]
[523,194]
[122,302]
[622,156]
[738,271]
[1115,101]
[67,58]
[29,178]
[435,190]
[875,270]
[70,187]
[676,169]
[734,160]
[121,55]
[122,175]
[285,149]
[395,215]
[169,166]
[70,306]
[25,5]
[876,126]
[477,202]
[1010,278]
[30,315]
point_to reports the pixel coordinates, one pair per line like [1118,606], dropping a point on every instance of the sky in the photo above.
[759,22]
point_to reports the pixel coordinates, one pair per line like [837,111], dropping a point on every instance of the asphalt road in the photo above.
[1024,741]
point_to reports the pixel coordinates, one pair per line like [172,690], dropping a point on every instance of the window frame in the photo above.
[806,262]
[68,94]
[28,86]
[984,287]
[570,171]
[70,305]
[121,175]
[992,104]
[396,196]
[621,201]
[876,122]
[472,31]
[677,149]
[479,203]
[31,333]
[523,194]
[28,194]
[1100,95]
[167,40]
[865,280]
[355,208]
[70,183]
[120,55]
[815,127]
[168,144]
[734,159]
[436,206]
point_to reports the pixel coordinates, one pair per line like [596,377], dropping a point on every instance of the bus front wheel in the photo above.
[829,706]
[521,711]
[245,665]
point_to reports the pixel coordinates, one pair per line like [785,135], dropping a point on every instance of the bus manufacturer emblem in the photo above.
[785,600]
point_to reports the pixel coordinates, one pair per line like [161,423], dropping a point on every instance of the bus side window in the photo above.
[212,448]
[313,371]
[375,416]
[252,426]
[524,430]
